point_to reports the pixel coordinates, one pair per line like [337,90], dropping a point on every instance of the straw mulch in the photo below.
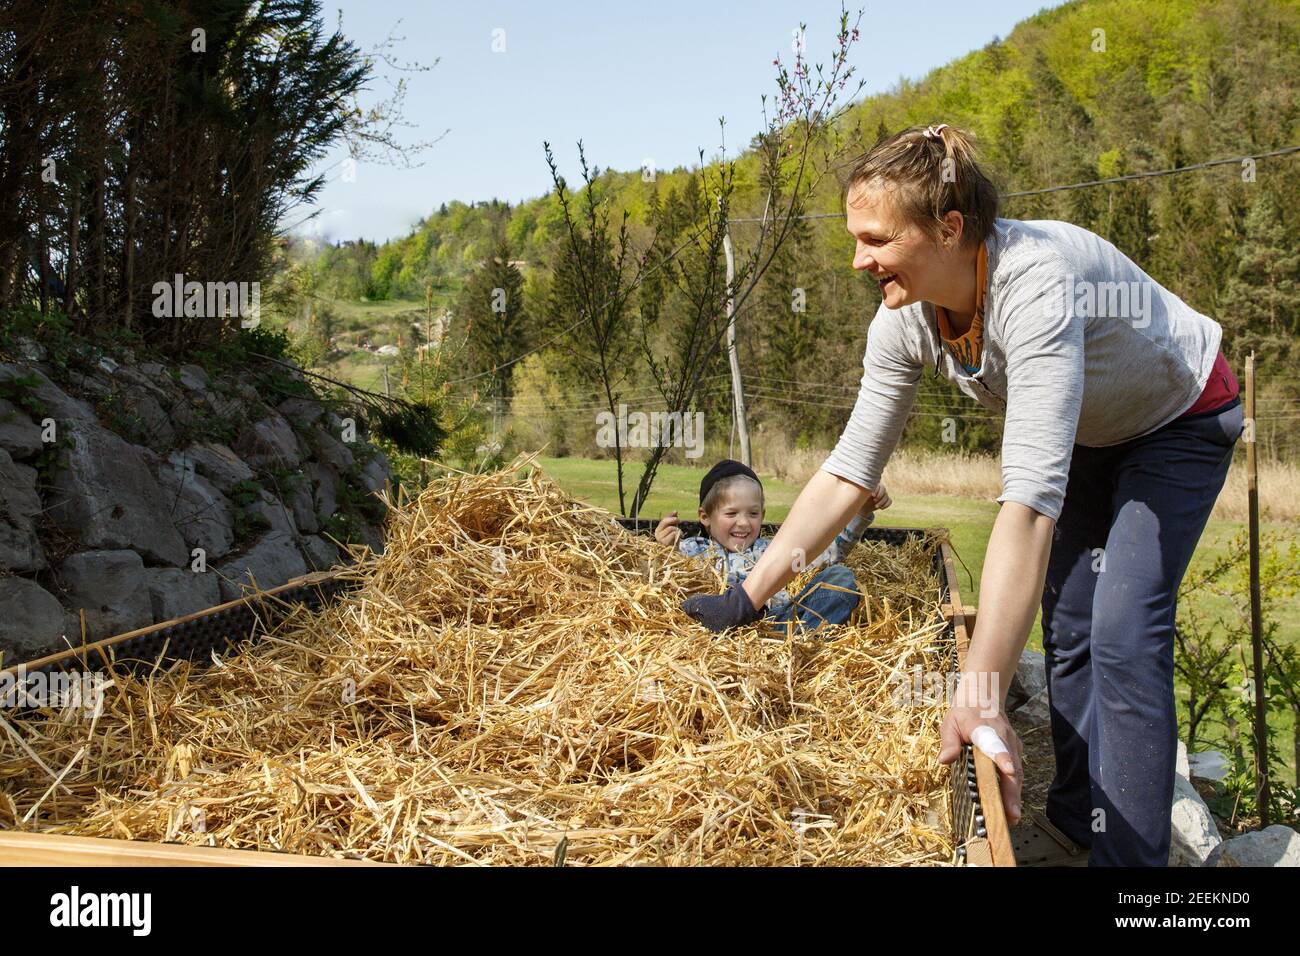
[513,683]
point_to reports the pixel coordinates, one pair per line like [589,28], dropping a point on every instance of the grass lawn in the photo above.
[968,520]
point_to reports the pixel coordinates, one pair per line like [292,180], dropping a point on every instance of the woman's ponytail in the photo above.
[929,172]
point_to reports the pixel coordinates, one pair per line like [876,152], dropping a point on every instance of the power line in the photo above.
[1095,182]
[1159,172]
[492,371]
[1031,192]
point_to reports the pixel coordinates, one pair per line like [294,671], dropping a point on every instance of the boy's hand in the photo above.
[667,532]
[879,499]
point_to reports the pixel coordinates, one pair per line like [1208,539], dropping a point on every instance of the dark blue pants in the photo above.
[1133,514]
[817,605]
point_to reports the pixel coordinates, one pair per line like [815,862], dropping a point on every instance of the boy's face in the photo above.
[737,521]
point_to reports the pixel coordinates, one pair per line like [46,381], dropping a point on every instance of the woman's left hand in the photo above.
[718,612]
[958,726]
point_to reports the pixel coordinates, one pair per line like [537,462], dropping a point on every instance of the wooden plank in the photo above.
[986,774]
[978,853]
[49,849]
[82,652]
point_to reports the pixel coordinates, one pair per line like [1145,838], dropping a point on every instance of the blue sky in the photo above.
[634,82]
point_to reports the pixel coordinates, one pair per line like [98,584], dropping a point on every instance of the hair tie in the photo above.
[933,131]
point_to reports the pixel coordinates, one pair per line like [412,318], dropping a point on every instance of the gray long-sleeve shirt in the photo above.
[1080,345]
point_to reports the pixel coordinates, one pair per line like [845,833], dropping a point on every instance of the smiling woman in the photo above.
[1121,415]
[899,211]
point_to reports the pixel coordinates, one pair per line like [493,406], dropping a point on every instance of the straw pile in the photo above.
[513,683]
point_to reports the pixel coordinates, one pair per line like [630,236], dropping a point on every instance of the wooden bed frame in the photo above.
[43,849]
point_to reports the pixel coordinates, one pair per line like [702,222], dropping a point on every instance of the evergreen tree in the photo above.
[1262,303]
[493,320]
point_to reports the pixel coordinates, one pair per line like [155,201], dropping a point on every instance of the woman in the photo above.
[1120,420]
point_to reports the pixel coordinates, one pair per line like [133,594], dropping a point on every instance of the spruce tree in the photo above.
[493,318]
[1263,298]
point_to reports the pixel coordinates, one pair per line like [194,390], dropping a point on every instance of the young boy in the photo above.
[731,511]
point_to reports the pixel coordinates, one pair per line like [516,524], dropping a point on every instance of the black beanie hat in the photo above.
[724,469]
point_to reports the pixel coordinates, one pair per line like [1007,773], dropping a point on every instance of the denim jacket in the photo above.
[738,564]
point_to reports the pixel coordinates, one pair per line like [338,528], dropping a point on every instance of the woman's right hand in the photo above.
[667,531]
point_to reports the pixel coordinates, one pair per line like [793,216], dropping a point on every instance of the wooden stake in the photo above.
[1256,639]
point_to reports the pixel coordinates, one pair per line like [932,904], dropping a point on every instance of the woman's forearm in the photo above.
[1011,589]
[820,513]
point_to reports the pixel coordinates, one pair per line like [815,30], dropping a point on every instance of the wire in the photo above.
[1158,172]
[659,265]
[1031,192]
[1286,150]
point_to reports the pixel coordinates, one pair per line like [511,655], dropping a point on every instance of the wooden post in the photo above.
[737,388]
[1256,638]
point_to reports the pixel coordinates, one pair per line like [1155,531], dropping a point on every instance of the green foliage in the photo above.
[415,429]
[21,391]
[1175,82]
[1213,657]
[245,492]
[1263,297]
[493,321]
[240,351]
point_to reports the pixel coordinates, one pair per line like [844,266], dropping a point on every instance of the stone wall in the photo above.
[139,492]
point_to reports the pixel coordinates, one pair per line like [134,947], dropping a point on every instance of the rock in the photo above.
[1181,765]
[1030,678]
[52,401]
[324,489]
[247,392]
[194,377]
[225,406]
[301,412]
[203,515]
[30,349]
[20,547]
[104,492]
[331,451]
[174,592]
[270,444]
[1277,845]
[375,472]
[321,554]
[274,512]
[299,497]
[272,561]
[110,587]
[373,536]
[96,384]
[1035,712]
[1193,834]
[31,620]
[138,376]
[188,417]
[19,435]
[151,425]
[218,464]
[1209,765]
